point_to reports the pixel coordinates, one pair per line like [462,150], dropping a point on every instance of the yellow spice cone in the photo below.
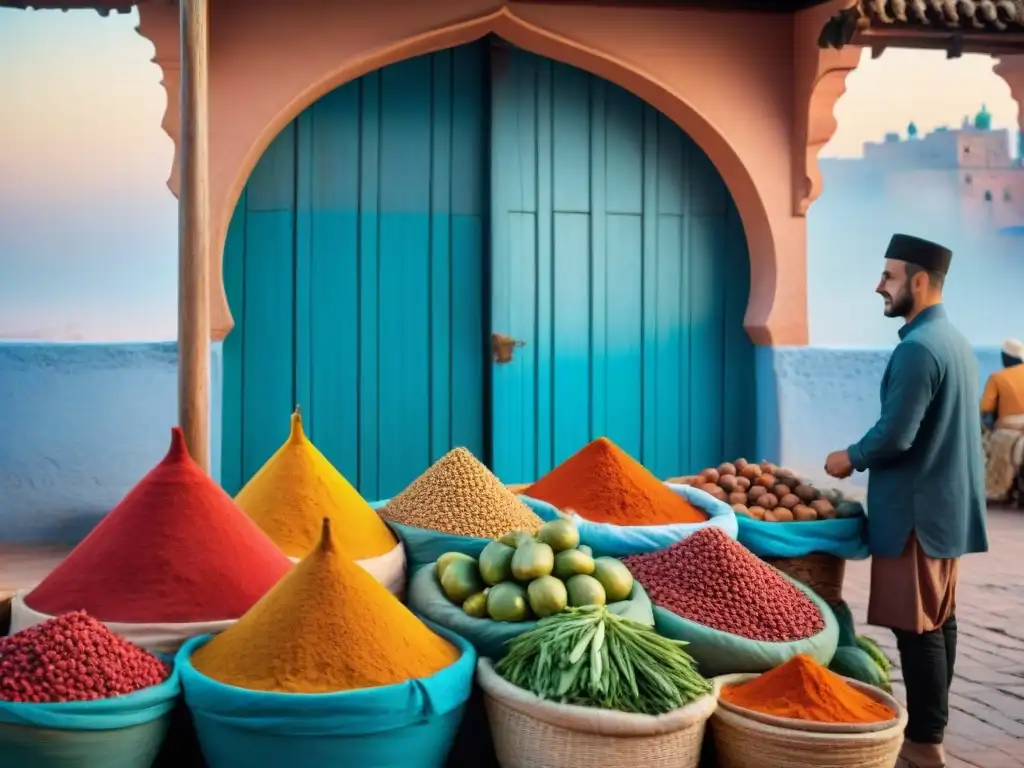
[326,626]
[292,493]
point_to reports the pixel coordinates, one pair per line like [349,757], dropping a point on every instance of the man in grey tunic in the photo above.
[926,490]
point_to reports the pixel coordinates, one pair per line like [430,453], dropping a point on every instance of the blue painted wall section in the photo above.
[80,424]
[620,260]
[354,268]
[813,400]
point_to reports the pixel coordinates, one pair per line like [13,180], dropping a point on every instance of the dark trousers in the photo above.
[927,660]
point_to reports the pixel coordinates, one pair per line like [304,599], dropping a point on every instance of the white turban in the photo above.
[1014,348]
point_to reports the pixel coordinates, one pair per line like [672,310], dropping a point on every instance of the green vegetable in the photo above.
[870,647]
[532,560]
[593,658]
[855,663]
[476,605]
[560,535]
[447,559]
[571,562]
[461,579]
[847,626]
[614,577]
[496,562]
[585,590]
[585,550]
[516,538]
[507,602]
[547,596]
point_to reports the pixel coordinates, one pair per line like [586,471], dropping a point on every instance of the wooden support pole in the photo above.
[194,235]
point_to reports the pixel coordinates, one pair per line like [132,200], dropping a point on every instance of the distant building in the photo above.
[968,173]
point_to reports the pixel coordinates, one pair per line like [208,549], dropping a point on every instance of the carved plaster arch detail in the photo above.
[819,121]
[529,36]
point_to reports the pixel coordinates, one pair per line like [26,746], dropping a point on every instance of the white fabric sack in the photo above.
[601,722]
[157,638]
[388,569]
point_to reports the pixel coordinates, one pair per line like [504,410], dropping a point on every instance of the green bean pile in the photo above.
[592,657]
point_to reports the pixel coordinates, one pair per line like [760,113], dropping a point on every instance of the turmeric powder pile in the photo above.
[328,626]
[603,483]
[292,492]
[802,689]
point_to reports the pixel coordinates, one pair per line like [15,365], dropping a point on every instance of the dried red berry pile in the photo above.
[73,657]
[713,580]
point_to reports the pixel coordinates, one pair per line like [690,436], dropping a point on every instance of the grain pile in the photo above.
[460,496]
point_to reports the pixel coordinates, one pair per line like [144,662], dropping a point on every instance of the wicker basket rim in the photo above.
[583,719]
[739,719]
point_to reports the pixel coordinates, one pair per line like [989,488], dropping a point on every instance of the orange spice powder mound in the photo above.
[603,483]
[802,689]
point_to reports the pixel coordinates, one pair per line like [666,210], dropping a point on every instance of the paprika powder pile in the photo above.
[604,484]
[290,494]
[329,626]
[802,689]
[176,549]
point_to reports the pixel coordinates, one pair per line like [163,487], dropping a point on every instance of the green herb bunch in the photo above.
[592,657]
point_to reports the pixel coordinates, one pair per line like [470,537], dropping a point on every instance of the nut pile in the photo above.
[771,493]
[459,495]
[712,580]
[73,657]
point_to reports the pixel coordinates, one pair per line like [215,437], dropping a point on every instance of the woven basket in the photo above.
[530,732]
[744,743]
[822,573]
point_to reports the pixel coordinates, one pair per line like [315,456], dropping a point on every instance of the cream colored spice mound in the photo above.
[459,495]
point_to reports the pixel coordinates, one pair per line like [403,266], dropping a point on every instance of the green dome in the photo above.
[983,120]
[912,130]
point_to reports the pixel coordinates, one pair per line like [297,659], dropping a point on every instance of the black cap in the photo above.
[923,253]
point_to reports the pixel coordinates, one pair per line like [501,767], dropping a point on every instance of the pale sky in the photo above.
[88,228]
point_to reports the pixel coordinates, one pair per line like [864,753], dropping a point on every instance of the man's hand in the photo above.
[838,465]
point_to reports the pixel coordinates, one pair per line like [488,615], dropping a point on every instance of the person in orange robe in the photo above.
[1002,413]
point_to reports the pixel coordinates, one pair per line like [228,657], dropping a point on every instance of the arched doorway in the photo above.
[405,217]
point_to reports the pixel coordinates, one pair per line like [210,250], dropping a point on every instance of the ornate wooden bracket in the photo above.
[820,79]
[1011,69]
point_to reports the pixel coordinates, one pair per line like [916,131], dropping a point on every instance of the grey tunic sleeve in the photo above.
[913,380]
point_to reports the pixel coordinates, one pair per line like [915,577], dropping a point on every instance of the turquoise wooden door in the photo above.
[619,259]
[354,269]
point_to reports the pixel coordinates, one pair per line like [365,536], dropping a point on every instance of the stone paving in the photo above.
[986,728]
[986,724]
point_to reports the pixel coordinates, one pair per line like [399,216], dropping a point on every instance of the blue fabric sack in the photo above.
[846,538]
[408,725]
[124,731]
[423,546]
[609,540]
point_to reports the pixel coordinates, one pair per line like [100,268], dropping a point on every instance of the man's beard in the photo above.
[901,305]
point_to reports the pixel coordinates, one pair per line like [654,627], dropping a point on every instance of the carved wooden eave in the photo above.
[819,82]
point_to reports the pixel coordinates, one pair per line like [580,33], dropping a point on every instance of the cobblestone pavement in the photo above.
[986,728]
[986,723]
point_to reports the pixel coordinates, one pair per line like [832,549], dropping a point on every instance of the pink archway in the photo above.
[263,76]
[507,25]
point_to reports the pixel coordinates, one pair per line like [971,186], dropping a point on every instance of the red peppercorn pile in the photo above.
[713,580]
[73,657]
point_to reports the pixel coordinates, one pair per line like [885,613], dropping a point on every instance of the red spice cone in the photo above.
[176,549]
